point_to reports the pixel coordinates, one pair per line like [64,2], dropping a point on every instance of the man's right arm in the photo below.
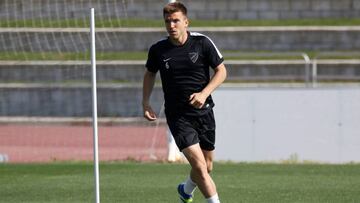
[148,85]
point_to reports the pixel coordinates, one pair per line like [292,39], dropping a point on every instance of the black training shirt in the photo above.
[184,70]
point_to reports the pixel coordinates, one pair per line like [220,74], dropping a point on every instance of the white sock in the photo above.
[189,186]
[213,199]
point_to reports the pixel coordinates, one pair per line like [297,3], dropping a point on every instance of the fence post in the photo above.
[314,72]
[307,68]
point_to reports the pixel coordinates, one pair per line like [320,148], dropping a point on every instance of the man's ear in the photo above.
[187,22]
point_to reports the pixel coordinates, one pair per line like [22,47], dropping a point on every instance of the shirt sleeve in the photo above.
[151,63]
[214,56]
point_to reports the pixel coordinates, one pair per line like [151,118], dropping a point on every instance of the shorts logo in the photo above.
[194,56]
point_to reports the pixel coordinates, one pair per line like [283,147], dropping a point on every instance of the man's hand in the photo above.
[149,114]
[197,100]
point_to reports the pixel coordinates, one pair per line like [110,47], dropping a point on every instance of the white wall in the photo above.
[321,124]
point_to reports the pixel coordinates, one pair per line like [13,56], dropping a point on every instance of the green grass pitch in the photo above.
[156,182]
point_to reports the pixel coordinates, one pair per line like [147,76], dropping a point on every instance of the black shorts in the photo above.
[190,130]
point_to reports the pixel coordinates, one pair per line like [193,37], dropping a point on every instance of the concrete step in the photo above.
[63,88]
[114,100]
[198,9]
[288,38]
[67,72]
[74,100]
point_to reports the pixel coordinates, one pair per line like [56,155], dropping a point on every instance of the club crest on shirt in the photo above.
[194,56]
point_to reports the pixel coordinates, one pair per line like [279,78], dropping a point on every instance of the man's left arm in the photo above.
[198,99]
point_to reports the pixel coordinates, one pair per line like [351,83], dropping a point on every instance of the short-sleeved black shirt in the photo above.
[184,70]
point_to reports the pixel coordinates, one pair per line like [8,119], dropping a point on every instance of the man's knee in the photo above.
[209,160]
[209,166]
[201,169]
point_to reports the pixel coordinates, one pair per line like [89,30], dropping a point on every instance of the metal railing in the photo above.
[273,58]
[335,66]
[332,58]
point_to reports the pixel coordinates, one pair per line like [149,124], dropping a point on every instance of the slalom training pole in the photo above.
[94,101]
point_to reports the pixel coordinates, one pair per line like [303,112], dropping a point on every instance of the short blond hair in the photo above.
[174,7]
